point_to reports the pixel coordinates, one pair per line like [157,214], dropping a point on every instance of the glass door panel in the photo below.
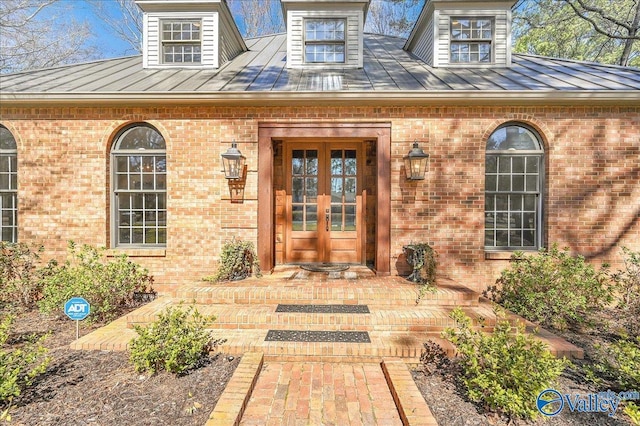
[304,189]
[344,187]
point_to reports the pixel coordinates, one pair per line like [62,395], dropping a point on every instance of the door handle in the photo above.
[326,217]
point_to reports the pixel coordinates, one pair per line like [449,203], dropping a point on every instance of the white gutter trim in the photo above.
[501,97]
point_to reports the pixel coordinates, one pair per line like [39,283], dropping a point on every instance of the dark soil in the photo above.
[102,388]
[445,395]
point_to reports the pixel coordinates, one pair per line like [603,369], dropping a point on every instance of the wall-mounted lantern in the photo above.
[415,163]
[233,162]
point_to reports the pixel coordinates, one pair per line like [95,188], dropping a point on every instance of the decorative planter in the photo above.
[421,257]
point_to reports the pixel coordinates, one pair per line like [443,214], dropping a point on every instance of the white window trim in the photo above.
[491,41]
[163,42]
[324,42]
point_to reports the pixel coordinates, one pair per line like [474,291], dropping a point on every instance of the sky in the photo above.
[104,37]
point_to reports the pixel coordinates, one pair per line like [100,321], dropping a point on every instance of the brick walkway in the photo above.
[296,393]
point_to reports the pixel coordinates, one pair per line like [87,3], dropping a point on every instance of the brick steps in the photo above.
[246,310]
[391,291]
[420,318]
[383,345]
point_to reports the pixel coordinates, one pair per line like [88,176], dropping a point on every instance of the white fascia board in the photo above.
[551,97]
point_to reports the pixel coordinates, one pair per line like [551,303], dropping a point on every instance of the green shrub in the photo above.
[107,285]
[633,411]
[618,362]
[628,290]
[505,370]
[21,275]
[19,366]
[175,342]
[238,260]
[552,288]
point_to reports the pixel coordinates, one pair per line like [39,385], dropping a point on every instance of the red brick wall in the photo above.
[592,199]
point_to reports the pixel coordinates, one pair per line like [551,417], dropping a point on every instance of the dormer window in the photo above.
[471,40]
[463,34]
[325,34]
[324,40]
[181,42]
[193,34]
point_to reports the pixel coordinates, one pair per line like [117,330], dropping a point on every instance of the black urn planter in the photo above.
[421,257]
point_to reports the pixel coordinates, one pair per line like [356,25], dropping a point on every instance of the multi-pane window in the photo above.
[8,186]
[140,187]
[181,42]
[471,40]
[513,189]
[324,40]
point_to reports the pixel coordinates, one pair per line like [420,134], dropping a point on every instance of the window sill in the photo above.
[137,252]
[504,254]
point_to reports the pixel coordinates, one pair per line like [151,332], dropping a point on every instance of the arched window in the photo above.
[8,185]
[514,179]
[139,164]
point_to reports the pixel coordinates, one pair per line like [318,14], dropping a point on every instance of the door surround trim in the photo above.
[268,132]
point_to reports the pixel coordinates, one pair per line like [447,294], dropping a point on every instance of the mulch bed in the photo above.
[449,405]
[102,388]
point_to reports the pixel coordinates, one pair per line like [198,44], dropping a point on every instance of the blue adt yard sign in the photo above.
[77,308]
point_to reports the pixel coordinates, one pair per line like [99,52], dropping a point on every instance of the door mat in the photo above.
[317,336]
[324,309]
[324,267]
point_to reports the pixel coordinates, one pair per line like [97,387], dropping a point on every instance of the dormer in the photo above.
[199,34]
[463,33]
[325,33]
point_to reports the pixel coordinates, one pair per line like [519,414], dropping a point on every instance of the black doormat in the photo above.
[324,267]
[317,336]
[325,309]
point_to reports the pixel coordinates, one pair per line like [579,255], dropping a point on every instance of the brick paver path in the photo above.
[316,393]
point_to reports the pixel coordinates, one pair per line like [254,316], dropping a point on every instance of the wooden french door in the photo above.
[324,202]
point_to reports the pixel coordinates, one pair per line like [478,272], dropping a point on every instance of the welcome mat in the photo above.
[317,336]
[324,267]
[324,309]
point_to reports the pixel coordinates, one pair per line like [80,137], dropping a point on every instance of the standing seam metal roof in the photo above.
[387,68]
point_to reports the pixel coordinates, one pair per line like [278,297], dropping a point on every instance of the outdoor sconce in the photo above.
[415,163]
[233,162]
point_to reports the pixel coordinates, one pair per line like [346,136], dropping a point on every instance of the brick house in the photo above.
[523,151]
